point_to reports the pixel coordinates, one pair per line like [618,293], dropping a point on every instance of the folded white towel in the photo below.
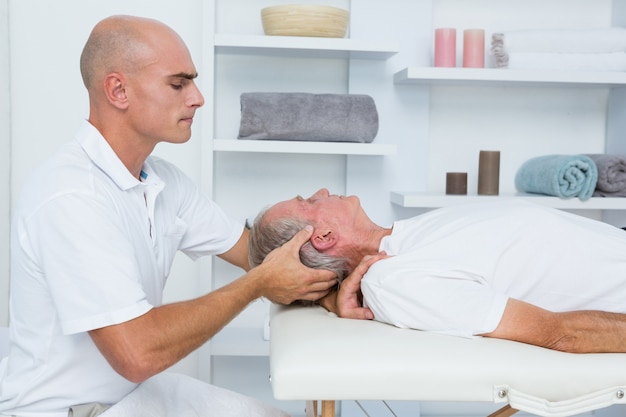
[168,394]
[578,41]
[561,41]
[565,62]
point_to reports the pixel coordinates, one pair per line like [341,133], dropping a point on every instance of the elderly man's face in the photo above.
[321,209]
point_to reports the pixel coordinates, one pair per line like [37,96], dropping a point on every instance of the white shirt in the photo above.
[454,269]
[92,246]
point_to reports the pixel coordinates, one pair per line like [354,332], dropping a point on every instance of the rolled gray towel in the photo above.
[308,117]
[611,175]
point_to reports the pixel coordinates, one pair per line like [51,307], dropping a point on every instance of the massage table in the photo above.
[316,356]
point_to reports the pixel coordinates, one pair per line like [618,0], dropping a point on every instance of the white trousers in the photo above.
[169,394]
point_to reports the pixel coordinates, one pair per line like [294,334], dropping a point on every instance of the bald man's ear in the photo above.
[115,91]
[322,240]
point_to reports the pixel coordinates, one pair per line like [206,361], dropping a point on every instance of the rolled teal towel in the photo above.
[564,176]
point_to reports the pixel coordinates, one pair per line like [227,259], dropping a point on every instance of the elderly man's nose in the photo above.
[322,192]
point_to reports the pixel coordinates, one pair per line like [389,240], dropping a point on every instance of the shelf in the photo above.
[280,146]
[298,46]
[491,76]
[426,200]
[236,341]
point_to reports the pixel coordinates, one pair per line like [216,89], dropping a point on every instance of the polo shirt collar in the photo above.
[102,155]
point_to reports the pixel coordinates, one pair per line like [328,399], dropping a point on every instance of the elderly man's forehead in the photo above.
[278,210]
[287,208]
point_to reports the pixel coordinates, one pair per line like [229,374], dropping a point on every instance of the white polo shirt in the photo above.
[454,268]
[92,246]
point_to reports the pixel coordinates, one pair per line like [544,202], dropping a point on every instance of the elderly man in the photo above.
[95,233]
[509,269]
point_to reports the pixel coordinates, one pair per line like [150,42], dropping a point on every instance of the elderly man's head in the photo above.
[333,218]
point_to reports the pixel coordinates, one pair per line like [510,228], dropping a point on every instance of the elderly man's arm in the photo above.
[576,331]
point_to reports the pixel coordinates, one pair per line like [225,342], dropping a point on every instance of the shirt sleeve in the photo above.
[204,227]
[424,299]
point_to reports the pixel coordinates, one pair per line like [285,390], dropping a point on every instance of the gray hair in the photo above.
[266,236]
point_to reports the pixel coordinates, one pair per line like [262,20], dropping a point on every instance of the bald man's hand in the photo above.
[287,279]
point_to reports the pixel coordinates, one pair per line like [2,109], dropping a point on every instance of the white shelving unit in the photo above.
[326,148]
[426,200]
[491,77]
[292,47]
[304,46]
[508,77]
[248,341]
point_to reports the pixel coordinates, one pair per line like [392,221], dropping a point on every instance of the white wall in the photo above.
[403,111]
[5,161]
[48,100]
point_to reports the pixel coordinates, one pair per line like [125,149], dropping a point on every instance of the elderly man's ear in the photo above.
[323,239]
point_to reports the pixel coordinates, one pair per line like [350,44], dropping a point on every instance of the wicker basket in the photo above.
[305,20]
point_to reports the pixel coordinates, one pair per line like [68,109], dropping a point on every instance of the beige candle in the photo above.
[489,173]
[474,48]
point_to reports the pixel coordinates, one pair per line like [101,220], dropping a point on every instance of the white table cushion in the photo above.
[315,355]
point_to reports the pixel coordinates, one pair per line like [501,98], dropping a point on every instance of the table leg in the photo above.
[328,408]
[311,408]
[506,411]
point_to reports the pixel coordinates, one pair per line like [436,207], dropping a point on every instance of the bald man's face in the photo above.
[161,91]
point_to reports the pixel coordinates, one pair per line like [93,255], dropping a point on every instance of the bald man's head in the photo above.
[120,44]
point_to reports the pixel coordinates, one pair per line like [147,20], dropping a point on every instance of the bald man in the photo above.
[96,229]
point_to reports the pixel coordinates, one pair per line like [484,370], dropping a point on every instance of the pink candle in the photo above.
[474,48]
[445,47]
